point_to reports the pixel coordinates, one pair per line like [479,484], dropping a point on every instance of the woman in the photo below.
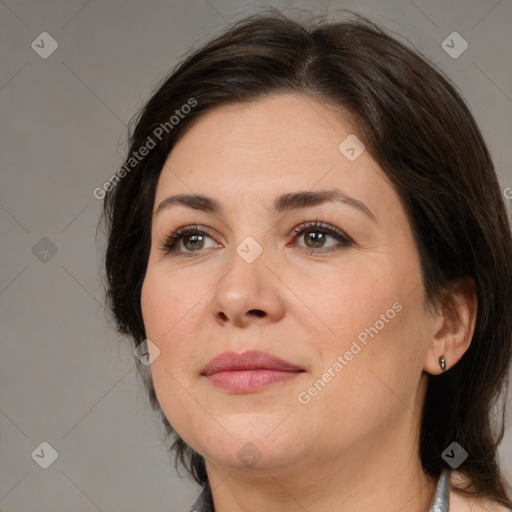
[308,242]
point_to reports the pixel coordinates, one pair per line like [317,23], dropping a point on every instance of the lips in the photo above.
[249,371]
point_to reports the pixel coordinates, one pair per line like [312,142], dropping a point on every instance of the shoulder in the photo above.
[460,503]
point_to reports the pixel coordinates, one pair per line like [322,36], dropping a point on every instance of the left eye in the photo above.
[315,236]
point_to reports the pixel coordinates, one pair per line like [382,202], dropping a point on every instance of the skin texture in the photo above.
[355,443]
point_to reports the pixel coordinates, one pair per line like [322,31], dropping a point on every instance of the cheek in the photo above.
[376,325]
[165,304]
[156,302]
[376,380]
[347,300]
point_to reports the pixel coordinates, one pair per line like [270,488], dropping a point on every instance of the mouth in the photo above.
[249,371]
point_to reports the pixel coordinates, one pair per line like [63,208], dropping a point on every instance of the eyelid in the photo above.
[320,226]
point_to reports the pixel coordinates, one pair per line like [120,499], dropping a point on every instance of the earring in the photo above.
[442,363]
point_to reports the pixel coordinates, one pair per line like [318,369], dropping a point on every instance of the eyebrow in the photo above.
[282,203]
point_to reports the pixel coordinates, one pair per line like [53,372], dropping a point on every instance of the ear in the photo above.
[454,322]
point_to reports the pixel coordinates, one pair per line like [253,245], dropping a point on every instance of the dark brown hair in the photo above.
[422,134]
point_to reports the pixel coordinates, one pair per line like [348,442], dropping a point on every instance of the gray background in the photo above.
[66,378]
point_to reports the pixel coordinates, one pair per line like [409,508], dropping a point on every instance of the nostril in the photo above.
[257,312]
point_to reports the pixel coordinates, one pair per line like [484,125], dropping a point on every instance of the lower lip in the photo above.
[248,381]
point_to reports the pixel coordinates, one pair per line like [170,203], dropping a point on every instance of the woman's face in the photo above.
[331,285]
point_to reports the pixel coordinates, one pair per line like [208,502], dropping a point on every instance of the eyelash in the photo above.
[168,245]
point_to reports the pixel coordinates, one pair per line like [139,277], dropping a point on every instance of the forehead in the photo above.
[270,145]
[269,127]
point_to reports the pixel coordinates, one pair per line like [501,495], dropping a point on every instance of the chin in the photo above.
[252,445]
[256,455]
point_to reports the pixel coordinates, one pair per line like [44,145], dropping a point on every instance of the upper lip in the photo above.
[249,360]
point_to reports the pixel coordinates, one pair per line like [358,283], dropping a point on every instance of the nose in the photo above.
[247,293]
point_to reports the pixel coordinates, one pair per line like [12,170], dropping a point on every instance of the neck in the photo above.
[407,491]
[383,474]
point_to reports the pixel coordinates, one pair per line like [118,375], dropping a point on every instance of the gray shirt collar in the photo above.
[440,501]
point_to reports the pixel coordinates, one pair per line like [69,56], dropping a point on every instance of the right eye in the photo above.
[185,240]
